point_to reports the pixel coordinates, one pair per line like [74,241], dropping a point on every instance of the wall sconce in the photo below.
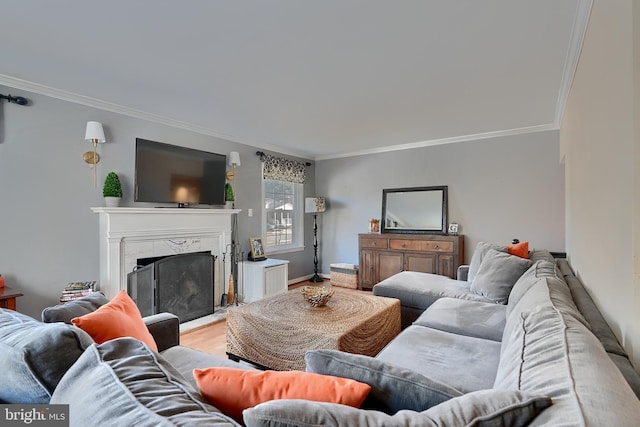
[95,135]
[234,161]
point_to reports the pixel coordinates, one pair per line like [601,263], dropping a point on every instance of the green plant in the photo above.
[112,186]
[228,193]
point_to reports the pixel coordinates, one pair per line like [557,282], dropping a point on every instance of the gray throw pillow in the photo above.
[481,408]
[34,356]
[392,388]
[76,308]
[489,408]
[497,274]
[478,255]
[124,383]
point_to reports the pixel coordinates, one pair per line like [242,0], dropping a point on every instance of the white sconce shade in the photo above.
[314,205]
[95,135]
[94,132]
[234,159]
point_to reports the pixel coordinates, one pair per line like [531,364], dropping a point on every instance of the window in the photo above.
[282,190]
[283,209]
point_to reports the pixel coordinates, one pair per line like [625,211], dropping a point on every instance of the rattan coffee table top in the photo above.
[276,332]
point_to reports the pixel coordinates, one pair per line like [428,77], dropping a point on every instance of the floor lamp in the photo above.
[315,205]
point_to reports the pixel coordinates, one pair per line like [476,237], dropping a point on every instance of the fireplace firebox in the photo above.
[179,284]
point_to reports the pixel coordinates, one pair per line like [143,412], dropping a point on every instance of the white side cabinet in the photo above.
[262,279]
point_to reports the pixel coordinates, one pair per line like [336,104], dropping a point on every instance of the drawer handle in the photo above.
[373,244]
[436,247]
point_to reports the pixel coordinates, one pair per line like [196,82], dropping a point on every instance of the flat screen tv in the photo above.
[171,174]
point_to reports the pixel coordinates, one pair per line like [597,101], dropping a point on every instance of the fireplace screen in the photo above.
[179,284]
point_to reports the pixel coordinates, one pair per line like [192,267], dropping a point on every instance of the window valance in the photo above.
[282,169]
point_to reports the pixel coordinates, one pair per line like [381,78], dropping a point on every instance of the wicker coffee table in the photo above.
[275,332]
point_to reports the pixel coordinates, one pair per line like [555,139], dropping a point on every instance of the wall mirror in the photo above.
[415,210]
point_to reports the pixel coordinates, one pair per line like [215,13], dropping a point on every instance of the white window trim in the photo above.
[297,245]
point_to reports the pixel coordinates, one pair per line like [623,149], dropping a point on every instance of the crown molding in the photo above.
[452,140]
[108,106]
[131,112]
[138,114]
[578,32]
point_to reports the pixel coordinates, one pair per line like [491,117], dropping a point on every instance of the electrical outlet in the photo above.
[250,212]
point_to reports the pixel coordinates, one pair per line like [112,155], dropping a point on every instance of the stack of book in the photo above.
[77,290]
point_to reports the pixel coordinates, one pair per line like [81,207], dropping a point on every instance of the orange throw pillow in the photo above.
[118,318]
[519,249]
[233,390]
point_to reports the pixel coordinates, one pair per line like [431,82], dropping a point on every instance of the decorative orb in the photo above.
[317,296]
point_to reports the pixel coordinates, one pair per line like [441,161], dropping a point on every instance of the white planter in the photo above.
[112,202]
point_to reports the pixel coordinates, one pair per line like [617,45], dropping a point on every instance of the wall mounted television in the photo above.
[168,173]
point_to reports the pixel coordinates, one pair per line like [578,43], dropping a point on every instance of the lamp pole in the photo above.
[315,205]
[316,278]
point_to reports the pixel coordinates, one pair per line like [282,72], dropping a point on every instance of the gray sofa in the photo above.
[543,358]
[548,340]
[540,359]
[121,382]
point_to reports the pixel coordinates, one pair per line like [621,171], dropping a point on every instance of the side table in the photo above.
[261,279]
[8,297]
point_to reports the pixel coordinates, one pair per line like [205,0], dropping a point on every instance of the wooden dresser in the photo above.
[383,255]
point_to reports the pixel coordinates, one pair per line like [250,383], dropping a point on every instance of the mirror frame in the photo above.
[444,209]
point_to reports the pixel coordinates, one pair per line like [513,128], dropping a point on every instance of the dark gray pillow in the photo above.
[76,308]
[34,356]
[481,408]
[478,255]
[497,274]
[392,388]
[138,386]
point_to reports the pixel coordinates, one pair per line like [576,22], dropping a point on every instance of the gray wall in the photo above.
[48,235]
[499,189]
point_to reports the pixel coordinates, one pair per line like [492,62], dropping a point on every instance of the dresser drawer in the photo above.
[435,246]
[373,243]
[407,245]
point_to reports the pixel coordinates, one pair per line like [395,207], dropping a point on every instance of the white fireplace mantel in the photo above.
[129,234]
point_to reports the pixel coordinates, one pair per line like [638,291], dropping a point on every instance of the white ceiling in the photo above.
[319,79]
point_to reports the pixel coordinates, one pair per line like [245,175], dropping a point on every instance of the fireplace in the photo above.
[129,234]
[179,284]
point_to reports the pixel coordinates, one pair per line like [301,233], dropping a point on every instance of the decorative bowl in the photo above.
[317,296]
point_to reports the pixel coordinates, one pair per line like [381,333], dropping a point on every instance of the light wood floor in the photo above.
[212,338]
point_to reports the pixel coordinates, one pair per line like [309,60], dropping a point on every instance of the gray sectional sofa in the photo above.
[542,358]
[548,340]
[545,358]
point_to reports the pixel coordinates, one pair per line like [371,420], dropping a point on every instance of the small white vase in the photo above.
[112,202]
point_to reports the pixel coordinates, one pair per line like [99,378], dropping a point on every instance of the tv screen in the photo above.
[171,174]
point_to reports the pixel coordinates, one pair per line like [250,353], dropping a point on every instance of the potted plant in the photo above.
[112,190]
[228,195]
